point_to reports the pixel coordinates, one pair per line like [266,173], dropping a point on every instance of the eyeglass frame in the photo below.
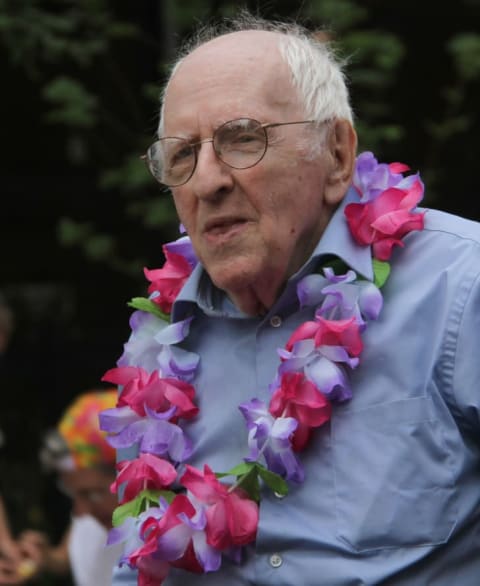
[263,126]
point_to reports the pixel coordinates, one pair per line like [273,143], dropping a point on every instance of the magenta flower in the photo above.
[142,390]
[152,572]
[232,518]
[183,247]
[166,283]
[322,365]
[146,471]
[297,397]
[324,332]
[176,538]
[384,221]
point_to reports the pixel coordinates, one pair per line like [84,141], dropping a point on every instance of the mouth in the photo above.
[222,229]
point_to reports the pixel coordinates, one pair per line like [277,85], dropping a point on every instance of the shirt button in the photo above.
[276,560]
[275,321]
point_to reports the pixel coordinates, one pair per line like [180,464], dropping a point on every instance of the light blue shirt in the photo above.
[392,489]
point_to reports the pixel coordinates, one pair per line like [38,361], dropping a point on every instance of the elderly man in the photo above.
[311,414]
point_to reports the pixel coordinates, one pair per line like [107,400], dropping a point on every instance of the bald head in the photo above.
[245,62]
[312,69]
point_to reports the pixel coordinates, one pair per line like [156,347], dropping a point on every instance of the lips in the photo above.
[224,227]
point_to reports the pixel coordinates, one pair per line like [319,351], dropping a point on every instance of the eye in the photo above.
[181,155]
[242,136]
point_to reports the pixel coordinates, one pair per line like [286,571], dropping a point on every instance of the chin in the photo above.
[231,276]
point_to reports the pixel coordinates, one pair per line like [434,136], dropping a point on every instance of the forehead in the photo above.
[236,75]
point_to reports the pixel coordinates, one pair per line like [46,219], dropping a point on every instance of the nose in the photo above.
[212,178]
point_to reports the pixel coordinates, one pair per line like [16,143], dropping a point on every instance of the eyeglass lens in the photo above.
[238,143]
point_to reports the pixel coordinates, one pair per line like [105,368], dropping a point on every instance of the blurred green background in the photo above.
[81,217]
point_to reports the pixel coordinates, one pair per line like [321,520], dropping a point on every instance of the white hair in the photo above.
[317,73]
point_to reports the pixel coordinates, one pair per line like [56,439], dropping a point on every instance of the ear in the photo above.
[342,146]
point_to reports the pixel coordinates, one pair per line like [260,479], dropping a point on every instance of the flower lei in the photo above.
[170,513]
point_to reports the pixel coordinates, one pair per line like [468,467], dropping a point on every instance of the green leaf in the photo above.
[240,470]
[151,496]
[131,509]
[272,480]
[381,271]
[144,304]
[250,484]
[140,503]
[247,478]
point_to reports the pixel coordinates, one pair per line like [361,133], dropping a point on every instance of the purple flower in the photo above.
[150,346]
[345,297]
[178,534]
[270,437]
[371,178]
[153,434]
[128,532]
[340,296]
[183,246]
[310,290]
[322,366]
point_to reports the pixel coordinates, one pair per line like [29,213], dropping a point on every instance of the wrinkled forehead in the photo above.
[240,65]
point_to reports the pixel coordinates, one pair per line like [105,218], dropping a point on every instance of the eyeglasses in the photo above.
[240,144]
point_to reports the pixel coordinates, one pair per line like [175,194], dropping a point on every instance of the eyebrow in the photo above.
[196,136]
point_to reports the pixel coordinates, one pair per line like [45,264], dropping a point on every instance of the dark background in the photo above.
[80,217]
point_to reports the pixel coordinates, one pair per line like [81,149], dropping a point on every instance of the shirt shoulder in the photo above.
[452,225]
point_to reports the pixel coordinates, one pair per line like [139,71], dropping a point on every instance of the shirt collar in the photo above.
[338,241]
[335,241]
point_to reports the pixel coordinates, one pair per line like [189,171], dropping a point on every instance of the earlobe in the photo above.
[342,145]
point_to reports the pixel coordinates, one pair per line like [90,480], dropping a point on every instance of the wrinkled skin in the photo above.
[253,228]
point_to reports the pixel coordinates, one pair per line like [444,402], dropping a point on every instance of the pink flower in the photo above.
[146,471]
[168,280]
[324,332]
[299,398]
[151,572]
[176,537]
[232,518]
[142,389]
[385,220]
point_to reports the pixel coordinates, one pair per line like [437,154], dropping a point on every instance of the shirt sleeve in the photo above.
[463,353]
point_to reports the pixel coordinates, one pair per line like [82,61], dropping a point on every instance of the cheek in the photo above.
[184,211]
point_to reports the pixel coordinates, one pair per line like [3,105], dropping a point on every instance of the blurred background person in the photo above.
[9,553]
[85,466]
